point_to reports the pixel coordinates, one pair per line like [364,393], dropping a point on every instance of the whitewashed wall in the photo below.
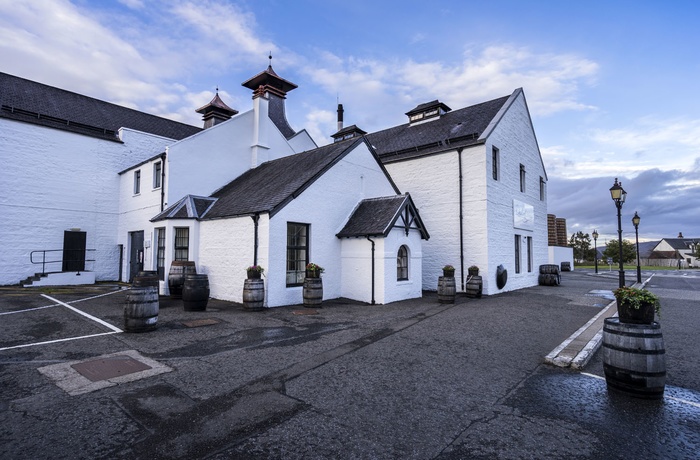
[226,250]
[54,181]
[515,139]
[326,206]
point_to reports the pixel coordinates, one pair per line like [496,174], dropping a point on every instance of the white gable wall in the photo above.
[54,181]
[326,205]
[514,137]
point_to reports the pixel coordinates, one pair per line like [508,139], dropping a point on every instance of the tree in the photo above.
[581,242]
[629,251]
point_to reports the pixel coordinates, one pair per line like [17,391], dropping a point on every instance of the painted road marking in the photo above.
[58,340]
[87,315]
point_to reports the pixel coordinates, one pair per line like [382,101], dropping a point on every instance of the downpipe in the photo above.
[372,241]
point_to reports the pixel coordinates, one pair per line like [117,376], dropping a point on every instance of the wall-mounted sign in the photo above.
[523,215]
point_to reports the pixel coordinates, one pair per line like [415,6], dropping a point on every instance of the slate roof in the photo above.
[189,207]
[454,129]
[273,184]
[32,102]
[680,243]
[377,216]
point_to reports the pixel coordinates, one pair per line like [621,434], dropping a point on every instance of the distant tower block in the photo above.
[552,229]
[562,239]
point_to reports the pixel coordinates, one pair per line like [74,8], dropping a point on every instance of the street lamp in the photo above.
[635,222]
[618,195]
[595,249]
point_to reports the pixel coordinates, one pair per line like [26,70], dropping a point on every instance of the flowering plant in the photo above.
[635,298]
[255,268]
[448,267]
[314,267]
[474,267]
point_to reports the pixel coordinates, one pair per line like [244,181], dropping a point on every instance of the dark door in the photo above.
[74,251]
[135,254]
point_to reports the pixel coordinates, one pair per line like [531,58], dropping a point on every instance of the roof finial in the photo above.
[217,89]
[269,56]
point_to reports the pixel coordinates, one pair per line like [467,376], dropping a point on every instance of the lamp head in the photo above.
[636,219]
[617,193]
[595,234]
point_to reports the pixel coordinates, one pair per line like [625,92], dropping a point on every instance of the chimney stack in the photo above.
[680,234]
[340,116]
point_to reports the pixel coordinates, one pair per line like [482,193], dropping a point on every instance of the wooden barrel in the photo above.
[548,279]
[146,278]
[566,266]
[634,358]
[141,309]
[253,294]
[195,292]
[474,287]
[313,292]
[547,269]
[446,289]
[176,276]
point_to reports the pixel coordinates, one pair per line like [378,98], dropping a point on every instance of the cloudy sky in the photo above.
[612,86]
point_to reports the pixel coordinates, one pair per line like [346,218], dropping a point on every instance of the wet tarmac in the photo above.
[415,379]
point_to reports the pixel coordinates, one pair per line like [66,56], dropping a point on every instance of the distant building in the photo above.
[676,252]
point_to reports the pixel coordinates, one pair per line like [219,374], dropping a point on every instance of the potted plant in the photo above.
[313,270]
[636,306]
[254,272]
[448,270]
[473,270]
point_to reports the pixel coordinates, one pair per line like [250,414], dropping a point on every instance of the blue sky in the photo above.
[612,86]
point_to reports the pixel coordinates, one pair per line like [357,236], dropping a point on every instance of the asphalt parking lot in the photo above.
[414,379]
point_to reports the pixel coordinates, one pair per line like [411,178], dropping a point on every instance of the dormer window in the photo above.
[427,111]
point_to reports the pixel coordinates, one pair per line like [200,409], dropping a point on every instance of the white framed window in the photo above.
[495,163]
[137,182]
[160,252]
[157,174]
[402,264]
[182,243]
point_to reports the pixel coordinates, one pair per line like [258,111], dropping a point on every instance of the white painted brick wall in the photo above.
[53,181]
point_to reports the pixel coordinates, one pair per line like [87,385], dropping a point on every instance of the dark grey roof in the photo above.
[273,184]
[454,129]
[681,243]
[189,207]
[429,105]
[32,102]
[377,216]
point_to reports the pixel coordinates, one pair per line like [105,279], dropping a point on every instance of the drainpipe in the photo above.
[372,241]
[162,182]
[255,218]
[461,219]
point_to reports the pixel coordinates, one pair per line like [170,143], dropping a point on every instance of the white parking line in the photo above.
[98,320]
[59,340]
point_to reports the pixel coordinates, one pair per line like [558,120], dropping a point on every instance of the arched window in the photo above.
[402,264]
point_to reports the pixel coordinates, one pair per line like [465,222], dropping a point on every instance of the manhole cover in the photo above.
[108,368]
[201,322]
[305,312]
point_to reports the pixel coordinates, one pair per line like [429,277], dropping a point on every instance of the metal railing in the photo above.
[78,259]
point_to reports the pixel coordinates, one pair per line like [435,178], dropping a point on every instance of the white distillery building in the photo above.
[115,191]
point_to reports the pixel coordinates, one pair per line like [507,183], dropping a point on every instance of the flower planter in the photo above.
[313,273]
[473,271]
[448,273]
[254,275]
[628,314]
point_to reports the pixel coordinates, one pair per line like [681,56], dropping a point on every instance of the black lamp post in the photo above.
[635,222]
[595,249]
[618,195]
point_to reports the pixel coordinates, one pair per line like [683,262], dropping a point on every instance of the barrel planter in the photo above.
[146,278]
[141,309]
[313,292]
[474,287]
[195,292]
[447,289]
[176,276]
[253,294]
[634,358]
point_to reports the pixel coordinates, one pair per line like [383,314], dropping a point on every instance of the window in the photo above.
[517,253]
[529,254]
[160,252]
[402,264]
[182,243]
[522,178]
[297,253]
[542,189]
[137,182]
[157,174]
[494,162]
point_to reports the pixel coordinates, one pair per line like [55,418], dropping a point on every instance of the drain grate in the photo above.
[201,322]
[109,368]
